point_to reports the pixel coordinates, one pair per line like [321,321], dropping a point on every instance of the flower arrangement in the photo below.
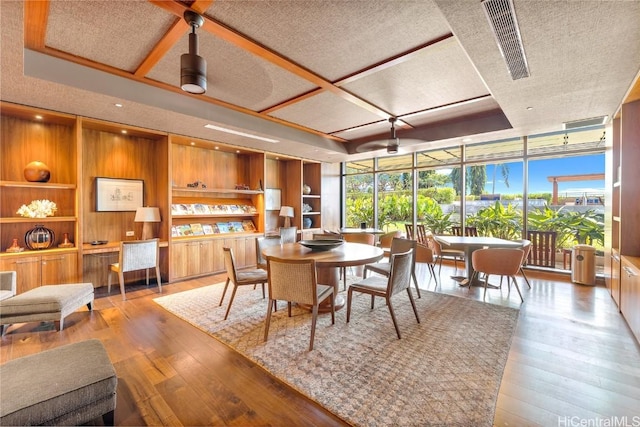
[38,209]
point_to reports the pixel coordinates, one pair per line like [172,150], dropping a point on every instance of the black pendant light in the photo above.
[394,142]
[193,67]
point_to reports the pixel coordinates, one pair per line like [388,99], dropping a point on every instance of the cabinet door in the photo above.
[58,269]
[27,270]
[630,295]
[206,257]
[615,278]
[179,260]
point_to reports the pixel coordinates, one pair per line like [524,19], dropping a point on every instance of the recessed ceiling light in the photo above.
[38,117]
[237,132]
[529,108]
[118,105]
[123,131]
[238,151]
[216,147]
[192,143]
[466,140]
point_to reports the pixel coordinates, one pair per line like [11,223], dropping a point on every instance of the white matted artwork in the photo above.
[116,194]
[272,199]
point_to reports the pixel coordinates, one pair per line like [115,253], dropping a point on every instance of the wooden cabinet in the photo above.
[630,293]
[312,202]
[29,135]
[36,269]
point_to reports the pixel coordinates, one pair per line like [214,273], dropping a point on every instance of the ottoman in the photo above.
[69,385]
[45,303]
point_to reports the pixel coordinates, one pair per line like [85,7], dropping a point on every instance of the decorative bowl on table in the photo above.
[321,245]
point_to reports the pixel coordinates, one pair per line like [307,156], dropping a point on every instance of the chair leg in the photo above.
[373,300]
[393,317]
[121,279]
[146,270]
[224,291]
[233,295]
[415,282]
[267,320]
[344,278]
[333,308]
[313,325]
[517,288]
[159,279]
[263,294]
[525,277]
[486,282]
[413,304]
[109,275]
[289,307]
[349,295]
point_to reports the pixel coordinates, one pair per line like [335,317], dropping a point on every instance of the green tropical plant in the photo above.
[498,221]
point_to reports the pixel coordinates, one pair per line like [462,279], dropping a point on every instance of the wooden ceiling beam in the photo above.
[36,15]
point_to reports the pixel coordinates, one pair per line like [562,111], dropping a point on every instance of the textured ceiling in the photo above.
[322,77]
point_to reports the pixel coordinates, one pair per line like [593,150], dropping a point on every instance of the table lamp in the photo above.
[147,215]
[287,213]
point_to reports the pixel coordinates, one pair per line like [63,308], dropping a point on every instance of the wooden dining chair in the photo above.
[261,243]
[421,234]
[289,234]
[543,248]
[384,268]
[398,280]
[497,261]
[410,231]
[384,242]
[294,281]
[237,278]
[136,255]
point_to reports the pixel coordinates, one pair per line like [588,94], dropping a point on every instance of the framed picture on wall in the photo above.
[119,195]
[272,199]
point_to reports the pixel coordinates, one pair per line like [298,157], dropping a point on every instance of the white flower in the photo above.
[38,209]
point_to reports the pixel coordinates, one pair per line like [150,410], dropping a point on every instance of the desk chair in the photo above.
[136,255]
[237,278]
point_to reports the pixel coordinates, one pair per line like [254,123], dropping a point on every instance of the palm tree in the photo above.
[504,170]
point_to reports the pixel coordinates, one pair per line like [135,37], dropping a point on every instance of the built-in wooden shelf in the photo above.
[191,191]
[20,220]
[50,185]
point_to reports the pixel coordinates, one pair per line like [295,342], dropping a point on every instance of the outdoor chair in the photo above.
[252,276]
[295,281]
[398,280]
[398,245]
[497,261]
[409,229]
[136,255]
[543,248]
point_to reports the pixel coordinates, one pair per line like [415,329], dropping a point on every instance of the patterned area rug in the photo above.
[444,371]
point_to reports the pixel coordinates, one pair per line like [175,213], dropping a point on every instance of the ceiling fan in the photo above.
[391,143]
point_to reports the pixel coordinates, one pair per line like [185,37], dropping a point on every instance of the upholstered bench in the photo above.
[68,385]
[45,303]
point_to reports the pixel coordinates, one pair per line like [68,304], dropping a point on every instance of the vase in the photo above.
[37,172]
[306,189]
[66,243]
[307,223]
[14,247]
[39,237]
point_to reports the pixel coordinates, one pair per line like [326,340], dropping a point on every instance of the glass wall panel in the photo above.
[358,199]
[395,199]
[561,143]
[359,166]
[439,158]
[437,202]
[506,148]
[566,196]
[395,162]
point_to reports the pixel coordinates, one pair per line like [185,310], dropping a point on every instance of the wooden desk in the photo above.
[471,243]
[328,263]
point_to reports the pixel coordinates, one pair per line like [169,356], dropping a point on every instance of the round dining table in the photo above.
[328,262]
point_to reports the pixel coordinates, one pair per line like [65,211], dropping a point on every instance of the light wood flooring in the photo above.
[572,360]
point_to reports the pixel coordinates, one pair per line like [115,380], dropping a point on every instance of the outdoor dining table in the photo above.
[468,244]
[328,262]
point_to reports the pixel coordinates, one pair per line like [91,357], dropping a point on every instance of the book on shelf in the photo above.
[248,225]
[174,231]
[223,227]
[184,230]
[196,229]
[235,227]
[201,209]
[207,229]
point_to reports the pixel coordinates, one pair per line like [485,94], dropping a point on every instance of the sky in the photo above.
[539,170]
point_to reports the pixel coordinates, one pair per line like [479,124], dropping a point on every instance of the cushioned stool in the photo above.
[45,303]
[68,385]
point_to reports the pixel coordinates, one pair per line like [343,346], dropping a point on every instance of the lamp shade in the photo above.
[286,211]
[147,214]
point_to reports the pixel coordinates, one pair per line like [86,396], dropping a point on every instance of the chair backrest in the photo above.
[498,261]
[526,247]
[434,245]
[8,287]
[139,254]
[409,229]
[424,254]
[456,230]
[327,236]
[230,264]
[289,234]
[399,245]
[386,239]
[422,234]
[400,273]
[293,280]
[366,238]
[261,244]
[471,231]
[543,248]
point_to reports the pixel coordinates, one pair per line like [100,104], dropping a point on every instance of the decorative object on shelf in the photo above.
[287,213]
[307,223]
[15,247]
[242,187]
[197,184]
[38,209]
[37,171]
[147,215]
[306,189]
[39,237]
[66,243]
[306,208]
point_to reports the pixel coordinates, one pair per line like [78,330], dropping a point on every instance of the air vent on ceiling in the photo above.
[594,121]
[503,22]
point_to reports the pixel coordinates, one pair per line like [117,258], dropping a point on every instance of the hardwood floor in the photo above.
[573,360]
